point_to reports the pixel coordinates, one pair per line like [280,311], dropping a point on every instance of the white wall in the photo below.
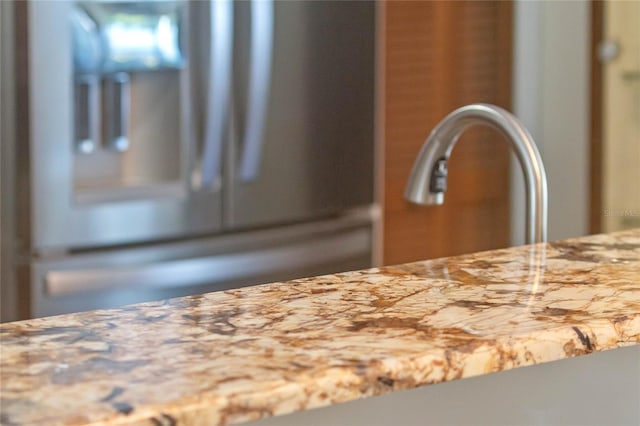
[551,97]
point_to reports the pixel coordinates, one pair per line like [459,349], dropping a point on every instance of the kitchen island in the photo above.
[244,354]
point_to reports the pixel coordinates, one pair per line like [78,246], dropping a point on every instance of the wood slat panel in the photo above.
[439,56]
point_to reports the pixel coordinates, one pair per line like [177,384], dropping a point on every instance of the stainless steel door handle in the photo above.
[208,269]
[219,88]
[262,17]
[87,88]
[117,111]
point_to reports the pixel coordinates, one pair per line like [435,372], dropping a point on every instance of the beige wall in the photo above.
[621,118]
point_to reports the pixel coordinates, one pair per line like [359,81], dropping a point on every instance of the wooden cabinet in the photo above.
[440,55]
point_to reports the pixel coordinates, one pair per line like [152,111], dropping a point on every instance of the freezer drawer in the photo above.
[111,279]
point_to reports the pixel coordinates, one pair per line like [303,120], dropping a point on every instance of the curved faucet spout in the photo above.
[428,180]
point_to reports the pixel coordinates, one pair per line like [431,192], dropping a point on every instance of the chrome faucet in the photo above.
[428,180]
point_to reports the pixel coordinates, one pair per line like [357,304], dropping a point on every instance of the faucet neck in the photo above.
[438,146]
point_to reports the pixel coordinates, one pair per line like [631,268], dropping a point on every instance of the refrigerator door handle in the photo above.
[218,92]
[262,18]
[207,269]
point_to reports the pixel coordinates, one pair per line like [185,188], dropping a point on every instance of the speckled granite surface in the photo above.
[243,354]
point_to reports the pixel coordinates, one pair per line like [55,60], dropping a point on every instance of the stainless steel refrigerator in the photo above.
[180,147]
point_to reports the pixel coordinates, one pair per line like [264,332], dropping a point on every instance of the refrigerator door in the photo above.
[115,278]
[303,111]
[164,179]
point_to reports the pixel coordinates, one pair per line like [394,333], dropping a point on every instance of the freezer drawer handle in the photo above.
[210,269]
[259,82]
[219,86]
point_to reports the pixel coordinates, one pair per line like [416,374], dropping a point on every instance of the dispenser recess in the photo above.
[131,94]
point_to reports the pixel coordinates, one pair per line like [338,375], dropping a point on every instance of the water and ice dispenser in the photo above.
[130,98]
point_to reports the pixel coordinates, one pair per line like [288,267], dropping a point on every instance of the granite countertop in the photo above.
[243,354]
